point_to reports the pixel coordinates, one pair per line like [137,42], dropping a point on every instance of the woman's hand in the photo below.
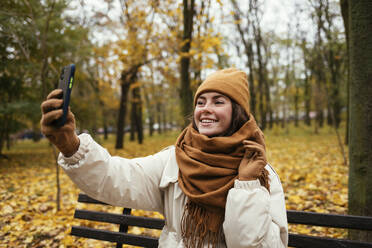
[64,138]
[253,162]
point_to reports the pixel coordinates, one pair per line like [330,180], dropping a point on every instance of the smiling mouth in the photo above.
[208,121]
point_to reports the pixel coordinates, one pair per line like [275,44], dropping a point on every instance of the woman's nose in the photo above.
[207,107]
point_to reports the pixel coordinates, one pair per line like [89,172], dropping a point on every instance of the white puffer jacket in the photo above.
[253,217]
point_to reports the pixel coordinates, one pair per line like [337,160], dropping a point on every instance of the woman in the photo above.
[214,187]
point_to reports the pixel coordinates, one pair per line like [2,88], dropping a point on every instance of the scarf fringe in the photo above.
[195,229]
[195,223]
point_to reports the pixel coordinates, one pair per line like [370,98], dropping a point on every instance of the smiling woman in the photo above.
[214,186]
[212,114]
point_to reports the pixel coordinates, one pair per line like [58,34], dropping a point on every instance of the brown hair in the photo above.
[239,117]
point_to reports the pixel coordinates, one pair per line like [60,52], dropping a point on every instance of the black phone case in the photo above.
[66,81]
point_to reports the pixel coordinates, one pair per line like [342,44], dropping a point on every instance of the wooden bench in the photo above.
[294,217]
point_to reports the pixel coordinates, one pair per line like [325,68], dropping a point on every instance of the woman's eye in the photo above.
[219,102]
[199,103]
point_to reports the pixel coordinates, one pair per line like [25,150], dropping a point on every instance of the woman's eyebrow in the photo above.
[218,96]
[214,97]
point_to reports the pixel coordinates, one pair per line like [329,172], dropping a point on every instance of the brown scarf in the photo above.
[207,170]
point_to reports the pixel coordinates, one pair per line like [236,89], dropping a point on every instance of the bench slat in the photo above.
[330,220]
[294,217]
[299,217]
[304,241]
[129,220]
[125,238]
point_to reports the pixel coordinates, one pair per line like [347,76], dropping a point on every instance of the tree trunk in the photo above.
[267,82]
[348,101]
[334,64]
[158,115]
[329,114]
[252,91]
[151,125]
[105,130]
[307,100]
[122,113]
[8,141]
[360,141]
[284,112]
[320,117]
[335,95]
[150,112]
[319,69]
[261,106]
[268,104]
[4,130]
[307,85]
[275,108]
[138,114]
[197,66]
[261,76]
[319,106]
[345,17]
[296,99]
[319,99]
[164,113]
[127,78]
[133,116]
[2,141]
[185,90]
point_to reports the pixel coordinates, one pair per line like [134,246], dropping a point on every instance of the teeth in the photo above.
[207,121]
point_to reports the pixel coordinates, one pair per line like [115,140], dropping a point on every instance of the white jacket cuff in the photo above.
[74,161]
[248,185]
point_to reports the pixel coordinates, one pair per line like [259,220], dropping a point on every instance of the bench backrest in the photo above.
[294,217]
[327,220]
[124,220]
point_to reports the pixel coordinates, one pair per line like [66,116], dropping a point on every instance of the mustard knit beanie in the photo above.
[230,82]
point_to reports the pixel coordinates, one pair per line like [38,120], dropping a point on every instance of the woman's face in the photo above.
[212,113]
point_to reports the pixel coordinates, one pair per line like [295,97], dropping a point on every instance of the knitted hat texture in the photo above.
[230,82]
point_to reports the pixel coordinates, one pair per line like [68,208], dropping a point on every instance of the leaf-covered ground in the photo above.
[310,166]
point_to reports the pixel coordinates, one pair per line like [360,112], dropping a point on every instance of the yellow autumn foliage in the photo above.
[310,166]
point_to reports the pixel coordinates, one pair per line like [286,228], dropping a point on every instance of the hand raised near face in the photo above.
[253,162]
[64,138]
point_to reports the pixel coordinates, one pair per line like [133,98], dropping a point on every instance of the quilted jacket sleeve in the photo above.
[115,180]
[254,217]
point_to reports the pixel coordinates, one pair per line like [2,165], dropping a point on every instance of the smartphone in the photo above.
[66,81]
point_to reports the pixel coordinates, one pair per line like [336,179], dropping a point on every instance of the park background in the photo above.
[138,64]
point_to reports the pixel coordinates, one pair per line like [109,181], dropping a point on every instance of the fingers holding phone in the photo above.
[66,81]
[51,108]
[57,121]
[52,111]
